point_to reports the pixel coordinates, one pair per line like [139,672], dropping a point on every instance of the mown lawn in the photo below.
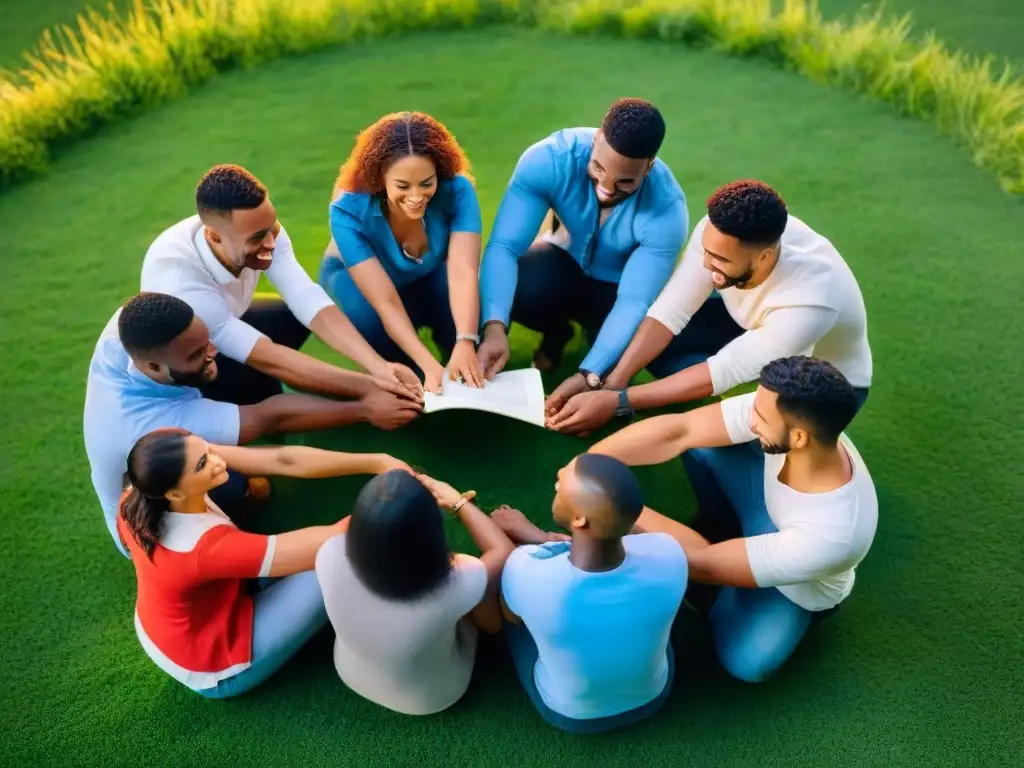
[922,665]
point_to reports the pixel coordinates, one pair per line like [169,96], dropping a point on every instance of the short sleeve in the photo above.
[737,412]
[349,236]
[792,556]
[214,421]
[232,336]
[224,552]
[465,207]
[469,584]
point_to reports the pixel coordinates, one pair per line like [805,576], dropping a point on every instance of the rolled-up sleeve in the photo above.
[303,296]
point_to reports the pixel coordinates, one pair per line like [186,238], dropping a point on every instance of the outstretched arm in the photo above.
[644,276]
[661,438]
[305,461]
[726,564]
[522,210]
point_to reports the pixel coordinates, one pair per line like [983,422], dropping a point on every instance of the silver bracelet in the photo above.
[468,337]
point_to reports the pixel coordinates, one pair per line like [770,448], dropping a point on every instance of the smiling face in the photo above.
[187,361]
[246,237]
[409,183]
[204,470]
[615,176]
[733,263]
[775,433]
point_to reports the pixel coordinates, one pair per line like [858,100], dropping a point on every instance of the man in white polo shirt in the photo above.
[144,373]
[783,290]
[213,261]
[807,506]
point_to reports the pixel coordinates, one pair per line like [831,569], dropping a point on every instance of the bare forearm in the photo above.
[650,340]
[693,383]
[296,413]
[295,551]
[401,330]
[651,441]
[309,462]
[336,331]
[486,534]
[305,373]
[464,297]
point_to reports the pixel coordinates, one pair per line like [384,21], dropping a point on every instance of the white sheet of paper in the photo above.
[516,394]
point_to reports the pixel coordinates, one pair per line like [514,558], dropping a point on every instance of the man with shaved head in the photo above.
[588,620]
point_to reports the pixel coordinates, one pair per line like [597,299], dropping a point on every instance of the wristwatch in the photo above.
[624,409]
[469,337]
[504,327]
[592,379]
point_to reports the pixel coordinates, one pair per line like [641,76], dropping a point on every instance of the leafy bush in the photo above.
[111,65]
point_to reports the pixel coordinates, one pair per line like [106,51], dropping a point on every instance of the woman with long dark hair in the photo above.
[405,608]
[196,613]
[405,247]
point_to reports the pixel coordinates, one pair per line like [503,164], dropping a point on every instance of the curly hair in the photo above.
[392,137]
[748,210]
[227,187]
[634,128]
[814,391]
[149,320]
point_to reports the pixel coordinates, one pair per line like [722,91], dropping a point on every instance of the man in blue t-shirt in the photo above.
[619,224]
[588,621]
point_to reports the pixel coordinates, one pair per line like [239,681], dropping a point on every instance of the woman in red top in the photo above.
[196,613]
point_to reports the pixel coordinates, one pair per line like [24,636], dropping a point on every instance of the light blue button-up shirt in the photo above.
[636,247]
[122,404]
[361,231]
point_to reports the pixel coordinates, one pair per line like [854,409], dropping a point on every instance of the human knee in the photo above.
[758,655]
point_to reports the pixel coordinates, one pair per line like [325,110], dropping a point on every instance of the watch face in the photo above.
[593,380]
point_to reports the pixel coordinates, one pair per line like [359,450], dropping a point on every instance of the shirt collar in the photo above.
[219,272]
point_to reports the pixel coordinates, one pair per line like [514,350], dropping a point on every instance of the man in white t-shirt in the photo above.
[807,506]
[144,375]
[588,621]
[214,260]
[783,290]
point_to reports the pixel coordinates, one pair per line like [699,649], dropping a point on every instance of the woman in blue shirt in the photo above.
[405,246]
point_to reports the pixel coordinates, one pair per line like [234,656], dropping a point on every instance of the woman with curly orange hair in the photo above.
[405,247]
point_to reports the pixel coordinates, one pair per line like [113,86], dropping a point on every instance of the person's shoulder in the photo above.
[355,205]
[652,544]
[665,193]
[331,555]
[531,556]
[175,242]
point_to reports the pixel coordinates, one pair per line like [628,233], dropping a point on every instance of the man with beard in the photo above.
[620,221]
[213,260]
[784,290]
[807,506]
[145,374]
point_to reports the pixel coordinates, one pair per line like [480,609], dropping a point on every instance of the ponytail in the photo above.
[144,517]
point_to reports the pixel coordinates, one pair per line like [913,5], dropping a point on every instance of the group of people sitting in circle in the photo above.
[589,231]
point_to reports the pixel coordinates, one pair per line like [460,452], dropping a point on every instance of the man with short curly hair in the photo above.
[619,223]
[783,290]
[806,506]
[213,260]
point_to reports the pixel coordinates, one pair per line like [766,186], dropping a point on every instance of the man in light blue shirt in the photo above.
[588,622]
[620,222]
[145,374]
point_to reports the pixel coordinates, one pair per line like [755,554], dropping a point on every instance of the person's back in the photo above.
[400,602]
[602,637]
[412,656]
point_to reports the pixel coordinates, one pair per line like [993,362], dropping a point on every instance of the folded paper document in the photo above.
[516,394]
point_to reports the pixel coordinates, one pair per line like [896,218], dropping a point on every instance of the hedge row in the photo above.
[113,65]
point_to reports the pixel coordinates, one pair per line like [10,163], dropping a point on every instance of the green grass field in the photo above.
[922,666]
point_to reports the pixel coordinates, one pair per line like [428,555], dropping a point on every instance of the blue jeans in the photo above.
[426,301]
[524,655]
[288,612]
[754,630]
